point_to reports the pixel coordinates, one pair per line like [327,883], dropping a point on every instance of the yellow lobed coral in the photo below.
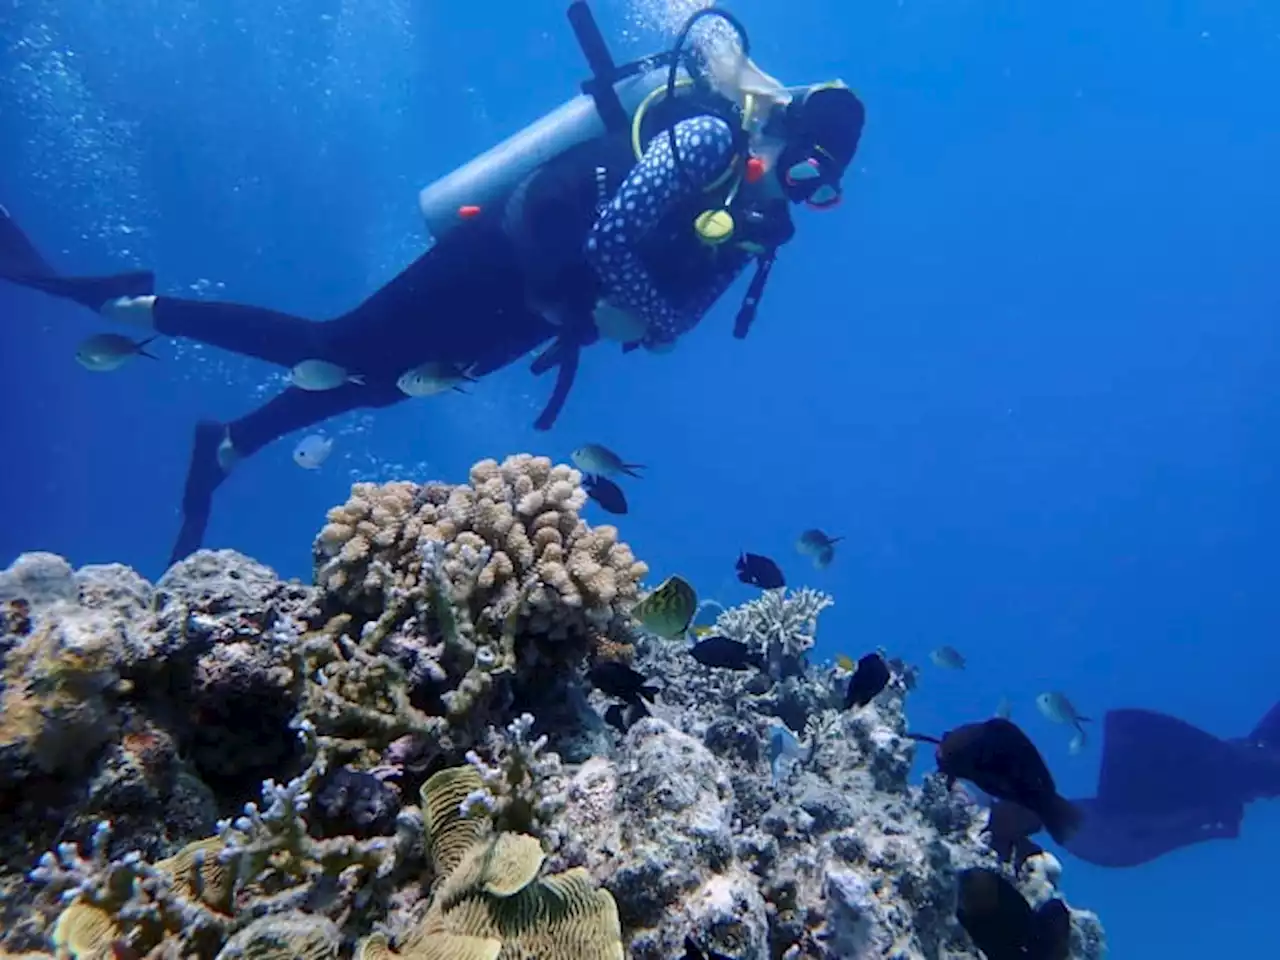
[491,903]
[199,873]
[84,932]
[285,936]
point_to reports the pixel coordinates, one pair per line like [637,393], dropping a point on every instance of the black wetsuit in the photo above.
[591,225]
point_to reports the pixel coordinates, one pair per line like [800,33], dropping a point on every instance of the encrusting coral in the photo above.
[228,766]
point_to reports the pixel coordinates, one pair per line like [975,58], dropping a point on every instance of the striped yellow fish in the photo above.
[669,609]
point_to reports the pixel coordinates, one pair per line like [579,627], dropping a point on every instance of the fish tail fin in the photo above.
[357,379]
[922,738]
[1051,931]
[630,469]
[1080,720]
[1062,818]
[468,373]
[144,352]
[459,388]
[649,691]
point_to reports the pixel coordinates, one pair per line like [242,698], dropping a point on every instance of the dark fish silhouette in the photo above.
[606,493]
[621,718]
[997,757]
[21,263]
[1004,926]
[694,952]
[725,653]
[1011,827]
[617,680]
[869,677]
[758,571]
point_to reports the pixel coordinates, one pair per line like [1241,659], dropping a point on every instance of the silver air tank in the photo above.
[491,176]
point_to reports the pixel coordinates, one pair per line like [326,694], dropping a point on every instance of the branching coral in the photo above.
[515,783]
[194,899]
[780,625]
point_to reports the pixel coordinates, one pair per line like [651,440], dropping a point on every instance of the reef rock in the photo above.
[224,763]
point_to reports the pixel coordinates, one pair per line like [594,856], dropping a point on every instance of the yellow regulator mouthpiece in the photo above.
[714,226]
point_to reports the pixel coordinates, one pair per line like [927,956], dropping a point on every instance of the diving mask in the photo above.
[812,179]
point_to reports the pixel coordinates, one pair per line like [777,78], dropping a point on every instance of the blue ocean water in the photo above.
[1027,369]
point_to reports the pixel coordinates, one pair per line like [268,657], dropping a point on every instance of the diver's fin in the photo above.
[18,255]
[91,292]
[1268,729]
[203,477]
[21,263]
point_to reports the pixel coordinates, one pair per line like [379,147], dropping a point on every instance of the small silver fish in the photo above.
[320,375]
[816,544]
[593,458]
[312,451]
[104,352]
[1057,708]
[433,377]
[948,658]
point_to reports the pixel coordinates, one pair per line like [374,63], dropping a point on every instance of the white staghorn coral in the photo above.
[781,625]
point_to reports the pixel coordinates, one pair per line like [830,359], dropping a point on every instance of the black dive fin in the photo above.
[203,477]
[21,263]
[1268,729]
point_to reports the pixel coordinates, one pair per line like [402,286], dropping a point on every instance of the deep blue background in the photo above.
[1028,369]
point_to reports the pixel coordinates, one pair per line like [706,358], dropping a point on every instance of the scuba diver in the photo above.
[624,214]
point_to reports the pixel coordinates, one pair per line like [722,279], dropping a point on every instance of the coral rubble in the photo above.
[406,759]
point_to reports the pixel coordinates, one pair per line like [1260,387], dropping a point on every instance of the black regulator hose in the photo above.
[677,52]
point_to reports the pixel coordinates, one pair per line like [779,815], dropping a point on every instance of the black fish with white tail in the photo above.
[1003,925]
[998,758]
[606,493]
[870,676]
[725,653]
[759,571]
[616,679]
[622,718]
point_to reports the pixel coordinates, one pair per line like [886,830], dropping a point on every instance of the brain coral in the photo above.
[508,543]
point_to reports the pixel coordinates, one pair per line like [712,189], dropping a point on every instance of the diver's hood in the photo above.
[829,115]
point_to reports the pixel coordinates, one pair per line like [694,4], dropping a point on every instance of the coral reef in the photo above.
[406,759]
